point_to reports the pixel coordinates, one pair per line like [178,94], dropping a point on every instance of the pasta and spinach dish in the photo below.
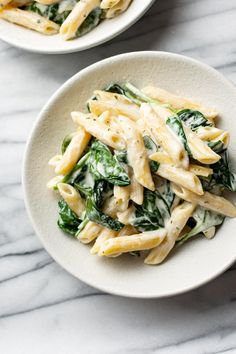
[145,171]
[69,18]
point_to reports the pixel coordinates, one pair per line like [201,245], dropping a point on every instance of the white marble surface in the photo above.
[42,308]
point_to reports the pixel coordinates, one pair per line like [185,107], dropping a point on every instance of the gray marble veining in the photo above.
[42,308]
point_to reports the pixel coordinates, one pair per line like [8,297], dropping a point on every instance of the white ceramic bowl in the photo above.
[35,42]
[191,265]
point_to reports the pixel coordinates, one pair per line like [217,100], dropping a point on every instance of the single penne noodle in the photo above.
[105,118]
[72,198]
[122,197]
[200,170]
[76,17]
[117,9]
[105,235]
[126,216]
[213,134]
[199,149]
[208,201]
[99,130]
[127,230]
[107,4]
[115,107]
[55,160]
[30,20]
[163,136]
[131,243]
[174,226]
[73,152]
[47,2]
[181,177]
[110,121]
[161,157]
[136,191]
[177,102]
[137,154]
[90,232]
[53,182]
[210,233]
[110,207]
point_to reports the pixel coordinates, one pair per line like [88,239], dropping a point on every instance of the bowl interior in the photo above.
[36,42]
[191,265]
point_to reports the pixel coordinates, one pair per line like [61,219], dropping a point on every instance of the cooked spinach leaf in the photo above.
[152,213]
[96,215]
[103,165]
[79,168]
[193,119]
[131,92]
[167,194]
[151,147]
[68,221]
[149,144]
[216,146]
[176,125]
[49,11]
[121,156]
[90,22]
[222,175]
[204,219]
[115,88]
[137,96]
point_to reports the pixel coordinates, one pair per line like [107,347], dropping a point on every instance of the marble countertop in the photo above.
[43,309]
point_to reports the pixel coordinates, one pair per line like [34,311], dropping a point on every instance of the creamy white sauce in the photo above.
[66,5]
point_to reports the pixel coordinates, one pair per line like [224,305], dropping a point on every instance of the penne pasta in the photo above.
[181,177]
[106,4]
[117,9]
[208,201]
[73,152]
[136,191]
[200,170]
[98,129]
[108,234]
[213,134]
[161,157]
[175,225]
[90,232]
[72,198]
[115,107]
[48,2]
[105,235]
[199,149]
[177,102]
[122,196]
[126,216]
[53,182]
[163,136]
[138,242]
[55,160]
[77,16]
[137,154]
[144,175]
[30,20]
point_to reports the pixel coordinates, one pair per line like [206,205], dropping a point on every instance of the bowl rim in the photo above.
[24,45]
[33,132]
